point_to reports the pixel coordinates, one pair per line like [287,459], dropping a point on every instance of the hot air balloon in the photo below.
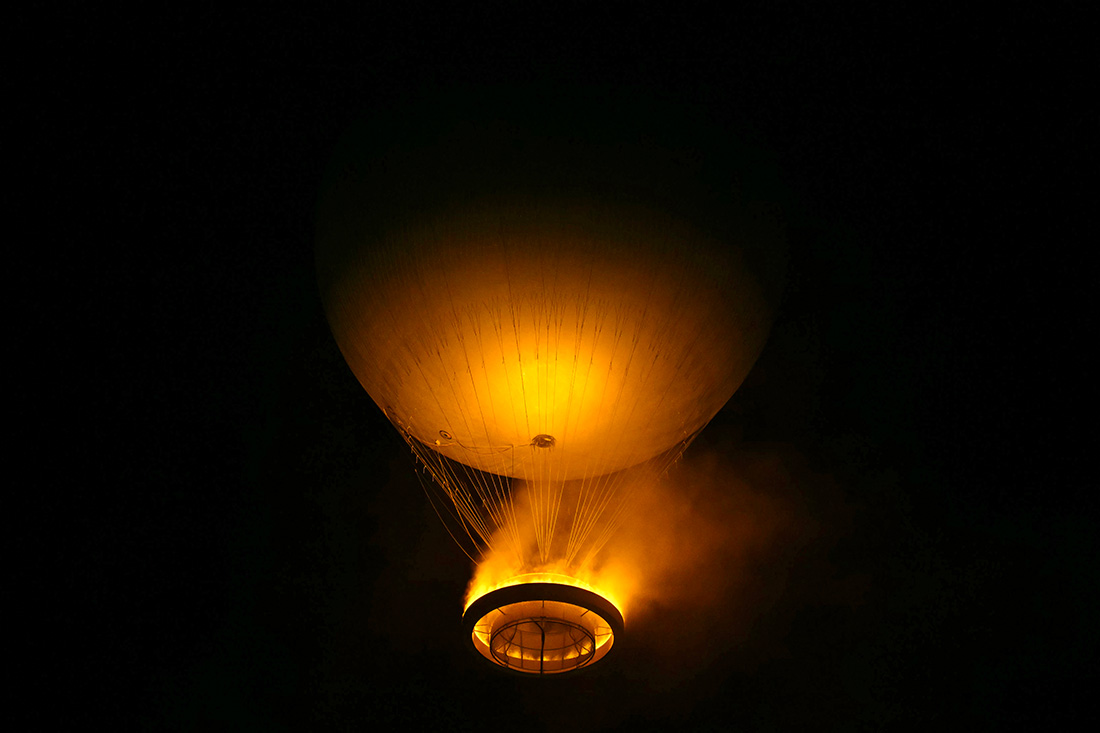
[548,301]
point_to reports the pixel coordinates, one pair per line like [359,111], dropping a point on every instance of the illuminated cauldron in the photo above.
[540,309]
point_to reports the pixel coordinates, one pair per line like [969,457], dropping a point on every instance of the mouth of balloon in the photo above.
[536,624]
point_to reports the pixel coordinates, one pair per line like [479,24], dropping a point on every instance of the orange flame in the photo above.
[493,575]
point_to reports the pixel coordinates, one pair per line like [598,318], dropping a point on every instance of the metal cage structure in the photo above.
[542,628]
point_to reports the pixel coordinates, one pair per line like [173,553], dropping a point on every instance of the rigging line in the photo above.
[503,495]
[595,492]
[614,493]
[469,517]
[558,485]
[533,491]
[608,488]
[618,320]
[581,307]
[497,320]
[534,486]
[566,435]
[478,483]
[578,336]
[460,487]
[438,465]
[538,487]
[611,525]
[597,331]
[422,468]
[464,502]
[623,321]
[543,315]
[500,532]
[548,409]
[574,522]
[452,510]
[545,490]
[492,487]
[474,480]
[604,495]
[538,517]
[512,503]
[423,486]
[616,335]
[663,462]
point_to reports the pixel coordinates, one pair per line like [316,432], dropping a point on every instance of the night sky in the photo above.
[235,538]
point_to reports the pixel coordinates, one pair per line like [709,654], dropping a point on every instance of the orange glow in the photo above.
[483,583]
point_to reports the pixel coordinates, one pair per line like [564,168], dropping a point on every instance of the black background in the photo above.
[225,530]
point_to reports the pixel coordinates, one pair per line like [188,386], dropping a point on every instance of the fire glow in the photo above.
[482,584]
